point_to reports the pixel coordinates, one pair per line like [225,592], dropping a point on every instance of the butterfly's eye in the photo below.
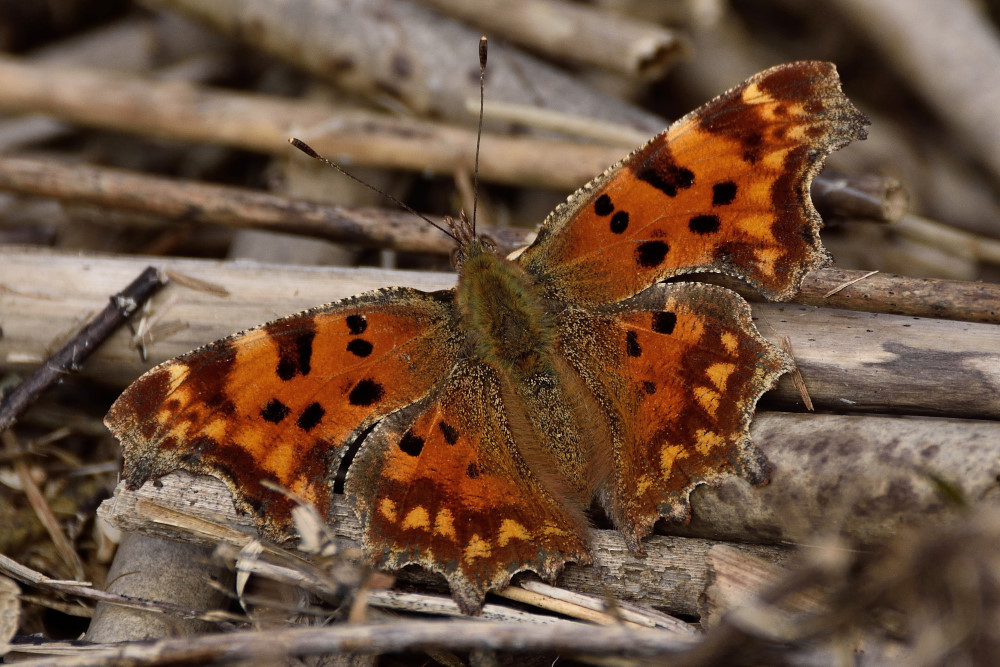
[489,244]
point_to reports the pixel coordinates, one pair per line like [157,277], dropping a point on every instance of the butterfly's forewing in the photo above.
[725,189]
[279,402]
[443,485]
[678,370]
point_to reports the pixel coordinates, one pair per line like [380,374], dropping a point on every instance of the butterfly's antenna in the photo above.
[479,133]
[308,150]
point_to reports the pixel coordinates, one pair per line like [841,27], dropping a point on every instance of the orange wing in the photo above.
[443,485]
[724,189]
[678,370]
[280,401]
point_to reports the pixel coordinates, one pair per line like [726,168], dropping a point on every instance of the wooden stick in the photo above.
[960,243]
[80,347]
[900,295]
[575,33]
[186,202]
[625,611]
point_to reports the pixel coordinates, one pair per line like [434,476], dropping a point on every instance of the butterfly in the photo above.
[495,414]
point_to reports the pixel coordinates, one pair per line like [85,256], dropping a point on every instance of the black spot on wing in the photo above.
[366,392]
[603,206]
[664,323]
[310,417]
[275,411]
[704,224]
[619,222]
[651,253]
[723,193]
[357,324]
[649,387]
[359,347]
[411,444]
[472,472]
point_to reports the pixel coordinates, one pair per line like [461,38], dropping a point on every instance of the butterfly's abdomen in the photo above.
[503,313]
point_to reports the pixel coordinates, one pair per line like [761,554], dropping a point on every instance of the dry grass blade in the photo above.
[43,511]
[800,384]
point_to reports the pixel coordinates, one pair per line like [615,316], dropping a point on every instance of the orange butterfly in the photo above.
[500,409]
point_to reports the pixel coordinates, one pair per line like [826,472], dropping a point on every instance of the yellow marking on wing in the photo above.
[216,430]
[796,133]
[766,258]
[477,548]
[641,486]
[730,342]
[387,508]
[708,398]
[706,441]
[752,94]
[178,373]
[549,529]
[690,327]
[509,530]
[417,518]
[444,524]
[774,160]
[719,374]
[758,226]
[668,456]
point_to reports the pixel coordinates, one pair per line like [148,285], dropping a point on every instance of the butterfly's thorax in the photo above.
[503,313]
[511,327]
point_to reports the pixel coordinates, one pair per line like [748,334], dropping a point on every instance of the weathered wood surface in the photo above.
[850,361]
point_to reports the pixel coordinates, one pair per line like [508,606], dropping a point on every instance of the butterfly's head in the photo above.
[469,244]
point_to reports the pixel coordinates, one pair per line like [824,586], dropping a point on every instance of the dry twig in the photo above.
[77,349]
